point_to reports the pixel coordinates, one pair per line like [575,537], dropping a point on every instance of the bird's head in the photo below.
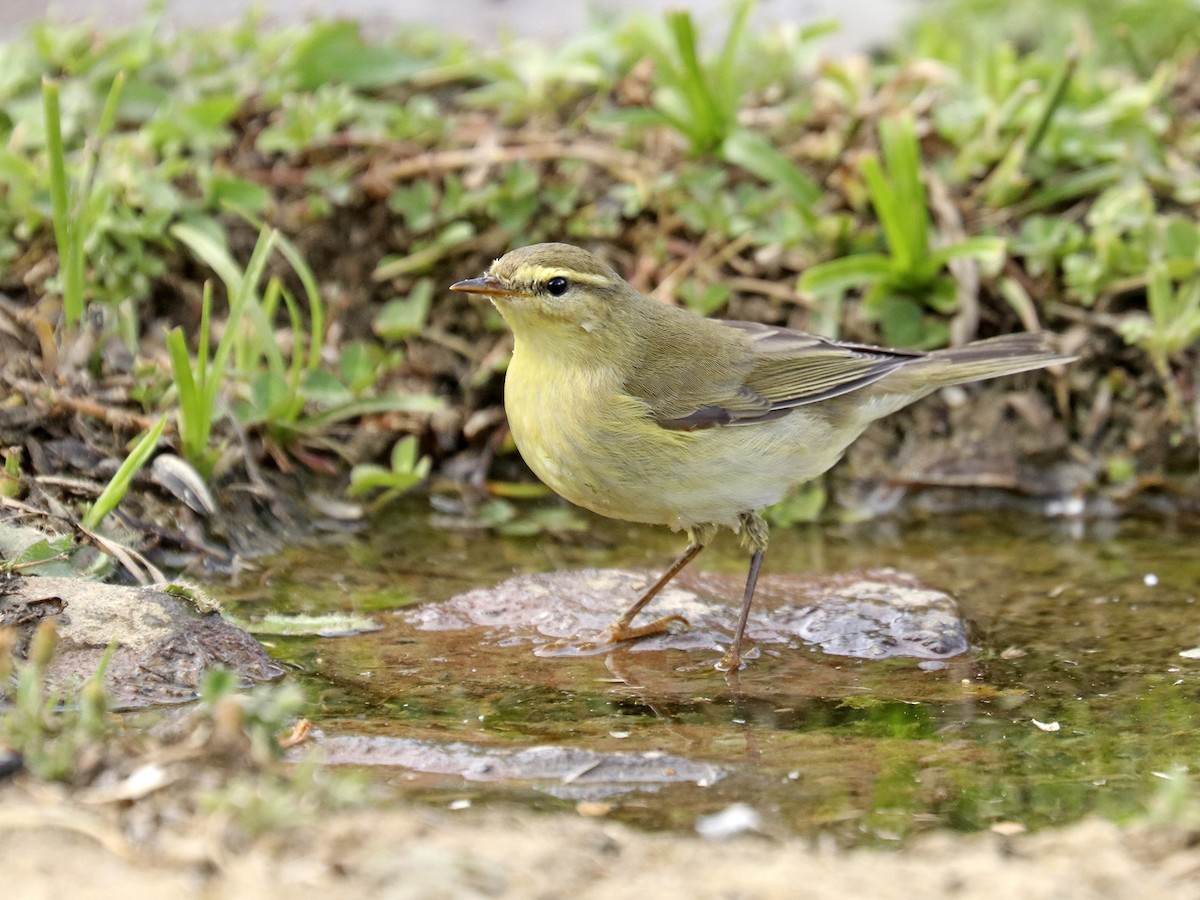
[552,287]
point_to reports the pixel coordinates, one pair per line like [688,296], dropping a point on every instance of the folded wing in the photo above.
[785,369]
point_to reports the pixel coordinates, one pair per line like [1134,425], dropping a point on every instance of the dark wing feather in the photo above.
[789,369]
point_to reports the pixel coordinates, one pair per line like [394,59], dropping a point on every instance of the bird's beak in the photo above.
[488,285]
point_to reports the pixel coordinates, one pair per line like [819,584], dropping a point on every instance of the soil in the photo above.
[55,850]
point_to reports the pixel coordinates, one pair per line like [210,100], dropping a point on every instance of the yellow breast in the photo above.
[583,437]
[598,447]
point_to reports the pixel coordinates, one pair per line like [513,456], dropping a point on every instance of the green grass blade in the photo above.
[891,218]
[52,108]
[724,76]
[261,314]
[1159,298]
[114,492]
[73,272]
[902,155]
[296,367]
[194,415]
[316,305]
[108,117]
[66,236]
[1057,94]
[202,341]
[247,289]
[212,253]
[694,81]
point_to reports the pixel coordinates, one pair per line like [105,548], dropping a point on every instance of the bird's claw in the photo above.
[616,634]
[730,662]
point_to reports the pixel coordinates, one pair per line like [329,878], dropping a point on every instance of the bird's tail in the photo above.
[991,358]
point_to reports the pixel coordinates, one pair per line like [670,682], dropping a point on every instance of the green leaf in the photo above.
[360,364]
[693,81]
[450,238]
[194,415]
[632,117]
[1074,185]
[989,251]
[704,299]
[838,275]
[804,504]
[239,193]
[268,391]
[322,387]
[417,203]
[335,52]
[419,403]
[754,153]
[404,457]
[407,470]
[42,551]
[904,324]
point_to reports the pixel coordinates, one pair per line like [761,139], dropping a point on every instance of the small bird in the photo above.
[649,413]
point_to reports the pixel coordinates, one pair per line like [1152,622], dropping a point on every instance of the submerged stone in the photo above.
[568,772]
[164,643]
[874,619]
[875,614]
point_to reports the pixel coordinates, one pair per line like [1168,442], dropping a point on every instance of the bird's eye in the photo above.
[557,286]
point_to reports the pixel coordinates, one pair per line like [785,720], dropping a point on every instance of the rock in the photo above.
[876,619]
[574,773]
[870,615]
[165,642]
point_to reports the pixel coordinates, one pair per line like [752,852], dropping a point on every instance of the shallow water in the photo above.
[1078,626]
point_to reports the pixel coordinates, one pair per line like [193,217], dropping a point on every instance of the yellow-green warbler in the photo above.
[649,413]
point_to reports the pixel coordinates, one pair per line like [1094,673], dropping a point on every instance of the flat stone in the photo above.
[874,614]
[569,772]
[164,644]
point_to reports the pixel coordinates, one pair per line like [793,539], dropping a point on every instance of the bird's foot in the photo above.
[616,634]
[735,659]
[730,662]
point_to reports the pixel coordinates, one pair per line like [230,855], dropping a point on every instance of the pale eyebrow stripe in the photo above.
[541,274]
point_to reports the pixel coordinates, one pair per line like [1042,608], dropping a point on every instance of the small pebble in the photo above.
[1008,829]
[735,819]
[593,808]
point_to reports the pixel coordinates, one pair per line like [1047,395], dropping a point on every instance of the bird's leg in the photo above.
[622,630]
[754,537]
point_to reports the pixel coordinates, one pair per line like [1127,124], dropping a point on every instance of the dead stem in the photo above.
[113,416]
[625,166]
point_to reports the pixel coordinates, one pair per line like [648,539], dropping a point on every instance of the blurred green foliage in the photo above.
[1054,151]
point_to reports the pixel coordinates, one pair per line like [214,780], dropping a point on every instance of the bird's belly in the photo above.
[600,450]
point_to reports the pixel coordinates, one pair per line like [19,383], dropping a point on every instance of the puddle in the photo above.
[1081,625]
